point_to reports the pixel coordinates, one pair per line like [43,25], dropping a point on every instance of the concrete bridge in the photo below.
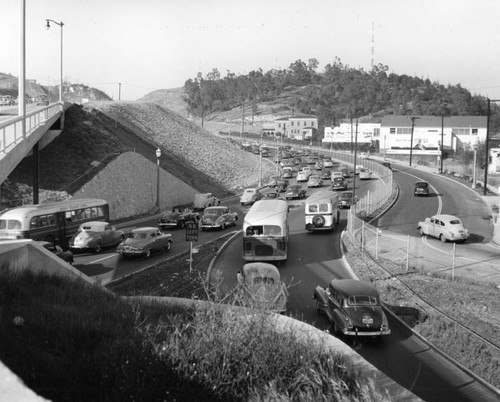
[23,135]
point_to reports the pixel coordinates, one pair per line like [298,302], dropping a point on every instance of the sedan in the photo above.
[315,181]
[218,218]
[143,241]
[444,227]
[421,189]
[177,219]
[339,184]
[364,174]
[326,174]
[346,199]
[96,235]
[353,307]
[295,191]
[302,176]
[250,195]
[260,287]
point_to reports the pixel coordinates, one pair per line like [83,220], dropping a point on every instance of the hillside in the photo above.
[96,134]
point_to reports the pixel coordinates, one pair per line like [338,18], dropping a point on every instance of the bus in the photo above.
[265,231]
[54,222]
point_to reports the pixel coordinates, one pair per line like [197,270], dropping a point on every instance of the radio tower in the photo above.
[373,44]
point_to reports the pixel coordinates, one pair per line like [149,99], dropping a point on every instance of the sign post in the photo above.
[191,235]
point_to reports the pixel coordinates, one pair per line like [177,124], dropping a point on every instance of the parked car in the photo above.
[422,188]
[203,200]
[346,199]
[444,227]
[315,181]
[177,219]
[339,184]
[353,307]
[65,255]
[218,218]
[95,236]
[364,174]
[144,241]
[260,287]
[250,195]
[295,191]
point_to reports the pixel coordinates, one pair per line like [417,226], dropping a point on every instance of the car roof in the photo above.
[421,183]
[446,217]
[94,226]
[353,287]
[254,269]
[144,229]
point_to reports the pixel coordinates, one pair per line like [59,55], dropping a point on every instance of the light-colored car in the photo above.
[335,174]
[250,195]
[353,307]
[260,287]
[218,218]
[95,236]
[307,170]
[204,200]
[143,241]
[328,164]
[315,181]
[444,227]
[364,174]
[302,176]
[358,169]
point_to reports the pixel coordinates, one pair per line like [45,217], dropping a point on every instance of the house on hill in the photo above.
[300,127]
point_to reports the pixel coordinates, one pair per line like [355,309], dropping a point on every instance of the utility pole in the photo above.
[442,143]
[411,138]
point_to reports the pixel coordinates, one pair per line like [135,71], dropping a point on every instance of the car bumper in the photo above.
[366,333]
[131,253]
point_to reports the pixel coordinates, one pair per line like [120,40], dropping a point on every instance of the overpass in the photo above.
[21,136]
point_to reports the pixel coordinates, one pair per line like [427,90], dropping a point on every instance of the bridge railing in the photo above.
[11,130]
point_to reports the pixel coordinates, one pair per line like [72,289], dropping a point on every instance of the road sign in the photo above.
[191,231]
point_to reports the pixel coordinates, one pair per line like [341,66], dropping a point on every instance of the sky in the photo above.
[159,44]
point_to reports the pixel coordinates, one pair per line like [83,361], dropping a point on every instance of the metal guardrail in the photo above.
[11,130]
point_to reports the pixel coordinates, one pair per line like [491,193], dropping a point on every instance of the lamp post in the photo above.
[61,25]
[158,154]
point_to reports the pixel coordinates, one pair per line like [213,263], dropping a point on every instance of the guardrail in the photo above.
[11,130]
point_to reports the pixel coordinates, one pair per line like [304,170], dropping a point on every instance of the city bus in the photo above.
[265,231]
[54,222]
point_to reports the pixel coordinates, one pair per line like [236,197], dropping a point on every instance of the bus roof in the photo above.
[322,196]
[52,207]
[266,212]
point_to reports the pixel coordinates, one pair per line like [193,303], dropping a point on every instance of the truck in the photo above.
[321,211]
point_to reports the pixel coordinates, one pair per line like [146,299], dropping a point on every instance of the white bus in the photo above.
[265,231]
[54,222]
[321,211]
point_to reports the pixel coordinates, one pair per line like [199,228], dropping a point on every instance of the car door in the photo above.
[107,236]
[434,227]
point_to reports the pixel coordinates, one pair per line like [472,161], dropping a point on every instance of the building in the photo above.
[425,134]
[422,134]
[300,127]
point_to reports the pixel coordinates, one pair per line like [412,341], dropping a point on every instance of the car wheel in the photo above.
[147,253]
[442,237]
[97,248]
[422,233]
[168,246]
[223,226]
[122,238]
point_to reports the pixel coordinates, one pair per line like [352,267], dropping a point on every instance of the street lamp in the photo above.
[61,25]
[158,154]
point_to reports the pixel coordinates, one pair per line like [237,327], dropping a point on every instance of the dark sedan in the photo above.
[177,219]
[295,191]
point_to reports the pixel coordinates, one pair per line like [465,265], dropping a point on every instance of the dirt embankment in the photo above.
[93,158]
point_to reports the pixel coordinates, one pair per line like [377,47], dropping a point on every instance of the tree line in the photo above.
[337,93]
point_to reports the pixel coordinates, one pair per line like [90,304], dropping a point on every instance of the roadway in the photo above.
[315,259]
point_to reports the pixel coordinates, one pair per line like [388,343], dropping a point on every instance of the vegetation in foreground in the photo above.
[80,342]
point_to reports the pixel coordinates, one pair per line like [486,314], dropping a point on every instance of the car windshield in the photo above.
[346,196]
[421,185]
[213,211]
[361,300]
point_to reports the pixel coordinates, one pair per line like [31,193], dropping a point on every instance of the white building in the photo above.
[300,127]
